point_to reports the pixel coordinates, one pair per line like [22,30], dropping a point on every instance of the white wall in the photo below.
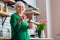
[41,4]
[55,8]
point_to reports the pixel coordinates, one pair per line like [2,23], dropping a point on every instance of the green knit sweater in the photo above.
[19,31]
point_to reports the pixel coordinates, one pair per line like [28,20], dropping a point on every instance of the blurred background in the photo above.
[36,10]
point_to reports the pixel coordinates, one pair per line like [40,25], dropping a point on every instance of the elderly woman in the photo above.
[19,26]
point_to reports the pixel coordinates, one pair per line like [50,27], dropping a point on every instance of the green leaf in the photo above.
[41,26]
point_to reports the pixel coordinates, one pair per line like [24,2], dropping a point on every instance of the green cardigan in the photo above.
[19,31]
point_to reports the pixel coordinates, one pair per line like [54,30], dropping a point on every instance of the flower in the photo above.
[41,25]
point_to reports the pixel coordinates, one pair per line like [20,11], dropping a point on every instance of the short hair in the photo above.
[19,3]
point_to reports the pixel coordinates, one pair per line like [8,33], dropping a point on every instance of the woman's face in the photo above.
[19,9]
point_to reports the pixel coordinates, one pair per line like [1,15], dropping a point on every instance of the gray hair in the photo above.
[19,3]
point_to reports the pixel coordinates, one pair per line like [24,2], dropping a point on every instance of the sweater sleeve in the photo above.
[14,24]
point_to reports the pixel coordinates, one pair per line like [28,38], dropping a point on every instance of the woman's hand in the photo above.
[24,16]
[21,18]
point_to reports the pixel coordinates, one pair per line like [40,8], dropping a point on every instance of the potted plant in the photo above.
[41,26]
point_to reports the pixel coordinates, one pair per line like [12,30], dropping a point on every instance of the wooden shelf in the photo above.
[3,14]
[8,0]
[5,38]
[41,38]
[9,38]
[12,2]
[36,12]
[33,12]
